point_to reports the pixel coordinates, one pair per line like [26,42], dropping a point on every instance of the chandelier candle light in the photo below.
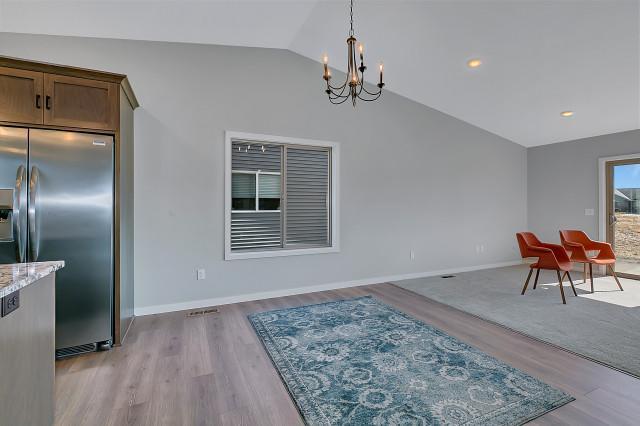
[353,86]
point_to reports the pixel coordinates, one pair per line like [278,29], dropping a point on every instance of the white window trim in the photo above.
[229,136]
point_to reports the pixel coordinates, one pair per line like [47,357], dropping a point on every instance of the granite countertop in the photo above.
[18,275]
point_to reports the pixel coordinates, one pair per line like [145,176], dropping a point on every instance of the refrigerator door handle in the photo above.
[34,226]
[18,226]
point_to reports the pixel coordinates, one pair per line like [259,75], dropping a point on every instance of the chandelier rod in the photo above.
[351,11]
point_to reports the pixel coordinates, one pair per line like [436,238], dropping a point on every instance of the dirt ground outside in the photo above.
[627,238]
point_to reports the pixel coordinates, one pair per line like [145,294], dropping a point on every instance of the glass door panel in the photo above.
[624,215]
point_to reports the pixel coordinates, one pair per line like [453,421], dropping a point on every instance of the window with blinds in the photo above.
[280,196]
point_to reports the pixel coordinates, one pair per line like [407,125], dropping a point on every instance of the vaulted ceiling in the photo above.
[539,58]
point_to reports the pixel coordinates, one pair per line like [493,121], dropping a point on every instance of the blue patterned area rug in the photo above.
[361,362]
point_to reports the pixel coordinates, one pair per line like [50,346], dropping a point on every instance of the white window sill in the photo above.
[255,211]
[229,255]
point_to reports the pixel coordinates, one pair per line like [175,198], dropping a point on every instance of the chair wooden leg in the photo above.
[584,273]
[526,283]
[591,275]
[613,272]
[535,283]
[564,302]
[564,275]
[571,282]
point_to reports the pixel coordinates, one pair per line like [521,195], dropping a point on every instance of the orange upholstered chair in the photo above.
[550,256]
[579,243]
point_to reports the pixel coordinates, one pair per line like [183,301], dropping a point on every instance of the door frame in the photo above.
[605,193]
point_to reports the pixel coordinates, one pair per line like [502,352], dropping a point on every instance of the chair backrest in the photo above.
[525,241]
[575,236]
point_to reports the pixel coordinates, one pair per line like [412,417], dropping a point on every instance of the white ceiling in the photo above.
[539,57]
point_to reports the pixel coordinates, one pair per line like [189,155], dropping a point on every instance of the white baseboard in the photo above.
[203,303]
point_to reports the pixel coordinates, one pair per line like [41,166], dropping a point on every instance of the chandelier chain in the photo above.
[351,11]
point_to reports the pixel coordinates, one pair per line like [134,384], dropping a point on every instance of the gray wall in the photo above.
[402,163]
[563,182]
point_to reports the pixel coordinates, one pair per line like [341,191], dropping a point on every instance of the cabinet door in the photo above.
[21,96]
[80,102]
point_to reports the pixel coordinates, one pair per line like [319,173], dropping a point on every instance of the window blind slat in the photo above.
[255,230]
[248,156]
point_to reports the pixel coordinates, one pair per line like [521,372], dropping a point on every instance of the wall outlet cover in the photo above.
[589,212]
[201,274]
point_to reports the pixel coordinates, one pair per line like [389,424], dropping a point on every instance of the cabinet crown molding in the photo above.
[45,67]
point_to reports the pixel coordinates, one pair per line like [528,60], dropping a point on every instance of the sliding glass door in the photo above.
[623,215]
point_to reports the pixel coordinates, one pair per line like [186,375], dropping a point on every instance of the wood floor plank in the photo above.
[213,370]
[613,400]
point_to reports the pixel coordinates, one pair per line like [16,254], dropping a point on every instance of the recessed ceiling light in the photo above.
[567,113]
[474,63]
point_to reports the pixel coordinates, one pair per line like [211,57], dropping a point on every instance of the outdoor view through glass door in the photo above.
[623,200]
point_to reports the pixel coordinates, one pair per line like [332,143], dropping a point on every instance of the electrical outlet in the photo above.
[412,255]
[589,212]
[10,303]
[201,274]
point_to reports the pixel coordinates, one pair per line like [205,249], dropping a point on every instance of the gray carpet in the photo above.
[604,326]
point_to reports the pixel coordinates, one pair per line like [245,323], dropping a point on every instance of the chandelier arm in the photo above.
[344,99]
[361,82]
[369,95]
[362,88]
[371,99]
[338,87]
[333,101]
[361,85]
[372,93]
[339,97]
[337,94]
[339,91]
[329,86]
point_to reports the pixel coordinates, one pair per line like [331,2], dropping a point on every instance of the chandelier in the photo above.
[353,87]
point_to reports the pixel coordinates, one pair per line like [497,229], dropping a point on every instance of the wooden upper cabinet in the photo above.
[21,99]
[80,102]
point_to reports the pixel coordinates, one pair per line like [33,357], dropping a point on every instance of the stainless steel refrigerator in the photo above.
[57,203]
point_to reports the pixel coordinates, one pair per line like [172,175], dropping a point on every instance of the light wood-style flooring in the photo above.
[212,369]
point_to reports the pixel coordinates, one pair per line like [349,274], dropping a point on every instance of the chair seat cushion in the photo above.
[564,266]
[597,261]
